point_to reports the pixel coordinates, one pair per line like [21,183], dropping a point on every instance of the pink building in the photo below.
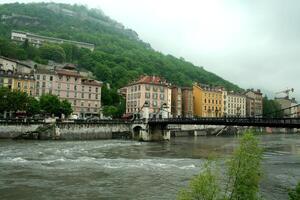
[84,94]
[151,89]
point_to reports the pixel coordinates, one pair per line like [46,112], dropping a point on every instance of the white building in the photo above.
[235,104]
[38,40]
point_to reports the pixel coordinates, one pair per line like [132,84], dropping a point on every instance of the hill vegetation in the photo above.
[119,56]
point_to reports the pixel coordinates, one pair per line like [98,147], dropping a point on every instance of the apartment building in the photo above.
[291,104]
[8,64]
[176,101]
[83,93]
[235,104]
[152,90]
[38,40]
[187,102]
[17,81]
[208,101]
[254,103]
[46,82]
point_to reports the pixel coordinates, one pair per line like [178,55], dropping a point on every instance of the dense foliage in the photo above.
[271,108]
[294,194]
[120,56]
[15,101]
[241,182]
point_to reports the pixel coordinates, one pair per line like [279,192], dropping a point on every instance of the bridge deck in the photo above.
[259,122]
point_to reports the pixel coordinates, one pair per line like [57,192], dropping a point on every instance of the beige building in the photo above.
[291,104]
[152,90]
[254,103]
[38,40]
[16,66]
[235,104]
[176,102]
[187,102]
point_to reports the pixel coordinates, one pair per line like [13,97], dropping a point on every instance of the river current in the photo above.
[124,169]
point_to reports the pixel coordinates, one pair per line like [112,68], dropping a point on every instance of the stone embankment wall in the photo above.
[9,131]
[92,131]
[67,131]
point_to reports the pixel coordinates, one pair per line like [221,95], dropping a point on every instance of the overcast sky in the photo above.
[253,43]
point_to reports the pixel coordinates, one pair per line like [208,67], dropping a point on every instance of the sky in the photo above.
[252,43]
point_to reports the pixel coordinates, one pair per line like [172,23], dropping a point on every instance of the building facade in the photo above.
[289,105]
[254,103]
[176,102]
[38,40]
[84,94]
[235,104]
[208,101]
[152,90]
[187,102]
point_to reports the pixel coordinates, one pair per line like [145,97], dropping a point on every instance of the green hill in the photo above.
[120,56]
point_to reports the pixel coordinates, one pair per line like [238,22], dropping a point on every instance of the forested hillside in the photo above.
[120,55]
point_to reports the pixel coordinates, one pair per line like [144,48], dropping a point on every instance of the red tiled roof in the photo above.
[68,72]
[156,80]
[91,82]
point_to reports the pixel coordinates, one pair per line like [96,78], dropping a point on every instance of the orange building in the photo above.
[208,101]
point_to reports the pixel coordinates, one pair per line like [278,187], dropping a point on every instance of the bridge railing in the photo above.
[251,121]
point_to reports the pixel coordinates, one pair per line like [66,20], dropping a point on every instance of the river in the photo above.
[120,169]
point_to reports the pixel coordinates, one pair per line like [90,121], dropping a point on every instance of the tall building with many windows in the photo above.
[83,93]
[208,101]
[187,102]
[254,103]
[235,104]
[152,90]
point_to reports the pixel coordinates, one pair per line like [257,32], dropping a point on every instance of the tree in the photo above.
[242,180]
[204,186]
[33,106]
[244,169]
[294,194]
[53,52]
[66,108]
[17,101]
[4,99]
[271,108]
[110,111]
[50,104]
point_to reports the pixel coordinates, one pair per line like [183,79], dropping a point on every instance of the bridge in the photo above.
[226,121]
[151,129]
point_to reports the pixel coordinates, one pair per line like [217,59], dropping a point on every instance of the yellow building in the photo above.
[21,82]
[208,101]
[24,83]
[6,79]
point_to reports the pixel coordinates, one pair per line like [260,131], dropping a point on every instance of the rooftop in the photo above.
[155,80]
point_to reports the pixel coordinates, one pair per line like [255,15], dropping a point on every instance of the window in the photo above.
[96,89]
[44,77]
[90,96]
[162,89]
[75,102]
[154,95]
[154,103]
[68,93]
[147,95]
[82,88]
[68,78]
[75,87]
[82,95]
[90,89]
[19,85]
[43,84]
[148,87]
[162,97]
[51,78]
[37,84]
[38,77]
